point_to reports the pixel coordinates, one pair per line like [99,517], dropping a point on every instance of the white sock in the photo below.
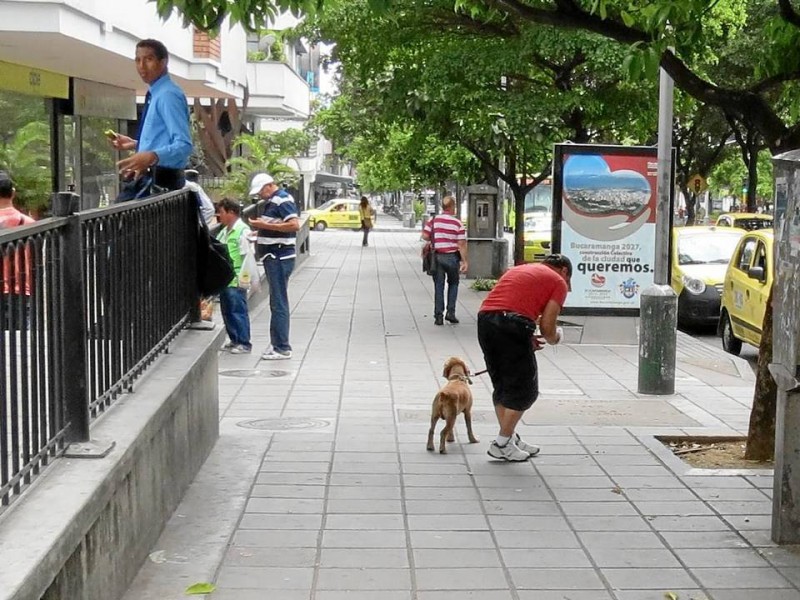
[501,440]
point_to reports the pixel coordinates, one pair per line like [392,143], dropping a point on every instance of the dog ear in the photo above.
[446,368]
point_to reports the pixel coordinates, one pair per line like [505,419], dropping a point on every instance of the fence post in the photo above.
[73,341]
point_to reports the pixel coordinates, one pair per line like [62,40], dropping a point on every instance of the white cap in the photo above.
[259,181]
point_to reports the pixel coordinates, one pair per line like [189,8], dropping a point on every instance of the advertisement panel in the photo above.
[605,221]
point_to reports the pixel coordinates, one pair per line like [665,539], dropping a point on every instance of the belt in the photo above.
[511,316]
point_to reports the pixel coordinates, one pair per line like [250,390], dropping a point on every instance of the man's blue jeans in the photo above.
[233,305]
[278,272]
[446,266]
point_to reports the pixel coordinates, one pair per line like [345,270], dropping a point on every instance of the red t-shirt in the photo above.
[447,232]
[16,262]
[526,289]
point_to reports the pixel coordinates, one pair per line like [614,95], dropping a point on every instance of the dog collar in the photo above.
[462,378]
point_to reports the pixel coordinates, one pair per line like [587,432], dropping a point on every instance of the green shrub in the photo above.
[483,285]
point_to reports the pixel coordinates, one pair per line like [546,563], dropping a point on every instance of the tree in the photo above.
[26,158]
[268,152]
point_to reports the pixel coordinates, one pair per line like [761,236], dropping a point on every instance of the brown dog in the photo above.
[454,398]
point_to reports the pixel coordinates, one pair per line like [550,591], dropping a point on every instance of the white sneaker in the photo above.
[240,349]
[276,355]
[510,452]
[525,446]
[228,345]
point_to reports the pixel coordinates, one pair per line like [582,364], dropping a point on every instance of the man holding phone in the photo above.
[164,142]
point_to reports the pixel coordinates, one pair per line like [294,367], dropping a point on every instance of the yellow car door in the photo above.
[759,288]
[353,216]
[738,292]
[338,215]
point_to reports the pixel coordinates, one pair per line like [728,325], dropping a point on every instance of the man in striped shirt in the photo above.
[450,246]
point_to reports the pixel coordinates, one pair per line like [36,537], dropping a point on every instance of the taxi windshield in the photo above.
[707,249]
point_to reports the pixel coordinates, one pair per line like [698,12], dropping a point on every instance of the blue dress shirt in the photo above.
[165,127]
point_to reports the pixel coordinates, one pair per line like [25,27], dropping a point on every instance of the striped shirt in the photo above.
[447,232]
[279,209]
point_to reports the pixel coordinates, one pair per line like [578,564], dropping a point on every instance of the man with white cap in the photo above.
[277,229]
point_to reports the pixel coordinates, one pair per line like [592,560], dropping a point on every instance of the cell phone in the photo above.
[110,134]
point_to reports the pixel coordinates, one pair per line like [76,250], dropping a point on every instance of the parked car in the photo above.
[748,281]
[538,229]
[700,256]
[338,212]
[748,221]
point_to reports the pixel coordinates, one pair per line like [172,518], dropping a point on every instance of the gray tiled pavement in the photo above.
[348,504]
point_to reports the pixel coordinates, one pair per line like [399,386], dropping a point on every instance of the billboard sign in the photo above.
[605,222]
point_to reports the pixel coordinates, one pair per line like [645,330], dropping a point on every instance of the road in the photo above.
[749,353]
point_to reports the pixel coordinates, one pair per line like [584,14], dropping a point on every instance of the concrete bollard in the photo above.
[657,340]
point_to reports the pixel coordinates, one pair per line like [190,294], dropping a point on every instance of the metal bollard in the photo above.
[657,340]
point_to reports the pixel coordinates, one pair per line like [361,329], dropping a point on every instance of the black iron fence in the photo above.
[86,304]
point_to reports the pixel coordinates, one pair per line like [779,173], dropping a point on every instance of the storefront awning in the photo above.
[331,178]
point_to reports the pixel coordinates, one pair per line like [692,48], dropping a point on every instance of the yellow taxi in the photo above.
[748,221]
[748,281]
[338,212]
[538,229]
[700,256]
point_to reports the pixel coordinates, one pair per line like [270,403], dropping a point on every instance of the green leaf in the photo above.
[627,19]
[670,596]
[198,589]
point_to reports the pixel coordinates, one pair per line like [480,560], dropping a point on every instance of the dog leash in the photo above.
[480,373]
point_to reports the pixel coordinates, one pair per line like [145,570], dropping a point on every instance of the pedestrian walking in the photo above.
[524,296]
[277,229]
[450,247]
[17,266]
[233,299]
[367,214]
[204,203]
[164,141]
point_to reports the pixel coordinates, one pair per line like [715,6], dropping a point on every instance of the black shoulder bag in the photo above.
[214,266]
[429,254]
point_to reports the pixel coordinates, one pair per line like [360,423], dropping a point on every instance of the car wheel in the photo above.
[730,343]
[320,226]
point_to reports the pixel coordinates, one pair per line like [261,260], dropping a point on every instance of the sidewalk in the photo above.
[320,487]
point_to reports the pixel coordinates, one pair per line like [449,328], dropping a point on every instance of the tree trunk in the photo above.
[519,223]
[761,435]
[752,180]
[691,202]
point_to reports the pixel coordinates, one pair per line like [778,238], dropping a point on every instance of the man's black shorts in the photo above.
[508,351]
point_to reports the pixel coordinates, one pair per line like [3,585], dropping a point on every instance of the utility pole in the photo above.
[659,304]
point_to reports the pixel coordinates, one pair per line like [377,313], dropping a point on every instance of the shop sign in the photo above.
[36,82]
[94,99]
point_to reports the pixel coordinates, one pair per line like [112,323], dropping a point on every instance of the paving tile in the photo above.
[522,508]
[258,594]
[636,558]
[280,521]
[445,493]
[364,493]
[576,509]
[721,557]
[681,594]
[785,556]
[597,541]
[247,556]
[370,578]
[268,578]
[437,507]
[451,539]
[515,494]
[475,578]
[704,539]
[364,521]
[345,506]
[463,595]
[536,540]
[695,482]
[750,494]
[291,478]
[579,482]
[288,491]
[565,558]
[556,579]
[740,578]
[763,507]
[285,505]
[648,579]
[363,539]
[774,594]
[276,539]
[560,595]
[367,467]
[750,522]
[676,523]
[366,480]
[527,523]
[435,558]
[570,495]
[660,494]
[295,467]
[665,482]
[609,523]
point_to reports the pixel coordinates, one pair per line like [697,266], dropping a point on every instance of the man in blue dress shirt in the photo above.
[165,142]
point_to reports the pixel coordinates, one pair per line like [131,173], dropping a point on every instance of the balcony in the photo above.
[276,91]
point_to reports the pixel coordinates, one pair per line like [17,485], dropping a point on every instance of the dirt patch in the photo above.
[714,453]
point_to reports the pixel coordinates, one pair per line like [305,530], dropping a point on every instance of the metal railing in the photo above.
[87,302]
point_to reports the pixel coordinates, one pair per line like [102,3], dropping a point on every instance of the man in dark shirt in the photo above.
[277,229]
[164,142]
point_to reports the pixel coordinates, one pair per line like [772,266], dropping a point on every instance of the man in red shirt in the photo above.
[524,296]
[16,265]
[450,245]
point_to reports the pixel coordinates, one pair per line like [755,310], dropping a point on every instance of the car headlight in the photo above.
[695,286]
